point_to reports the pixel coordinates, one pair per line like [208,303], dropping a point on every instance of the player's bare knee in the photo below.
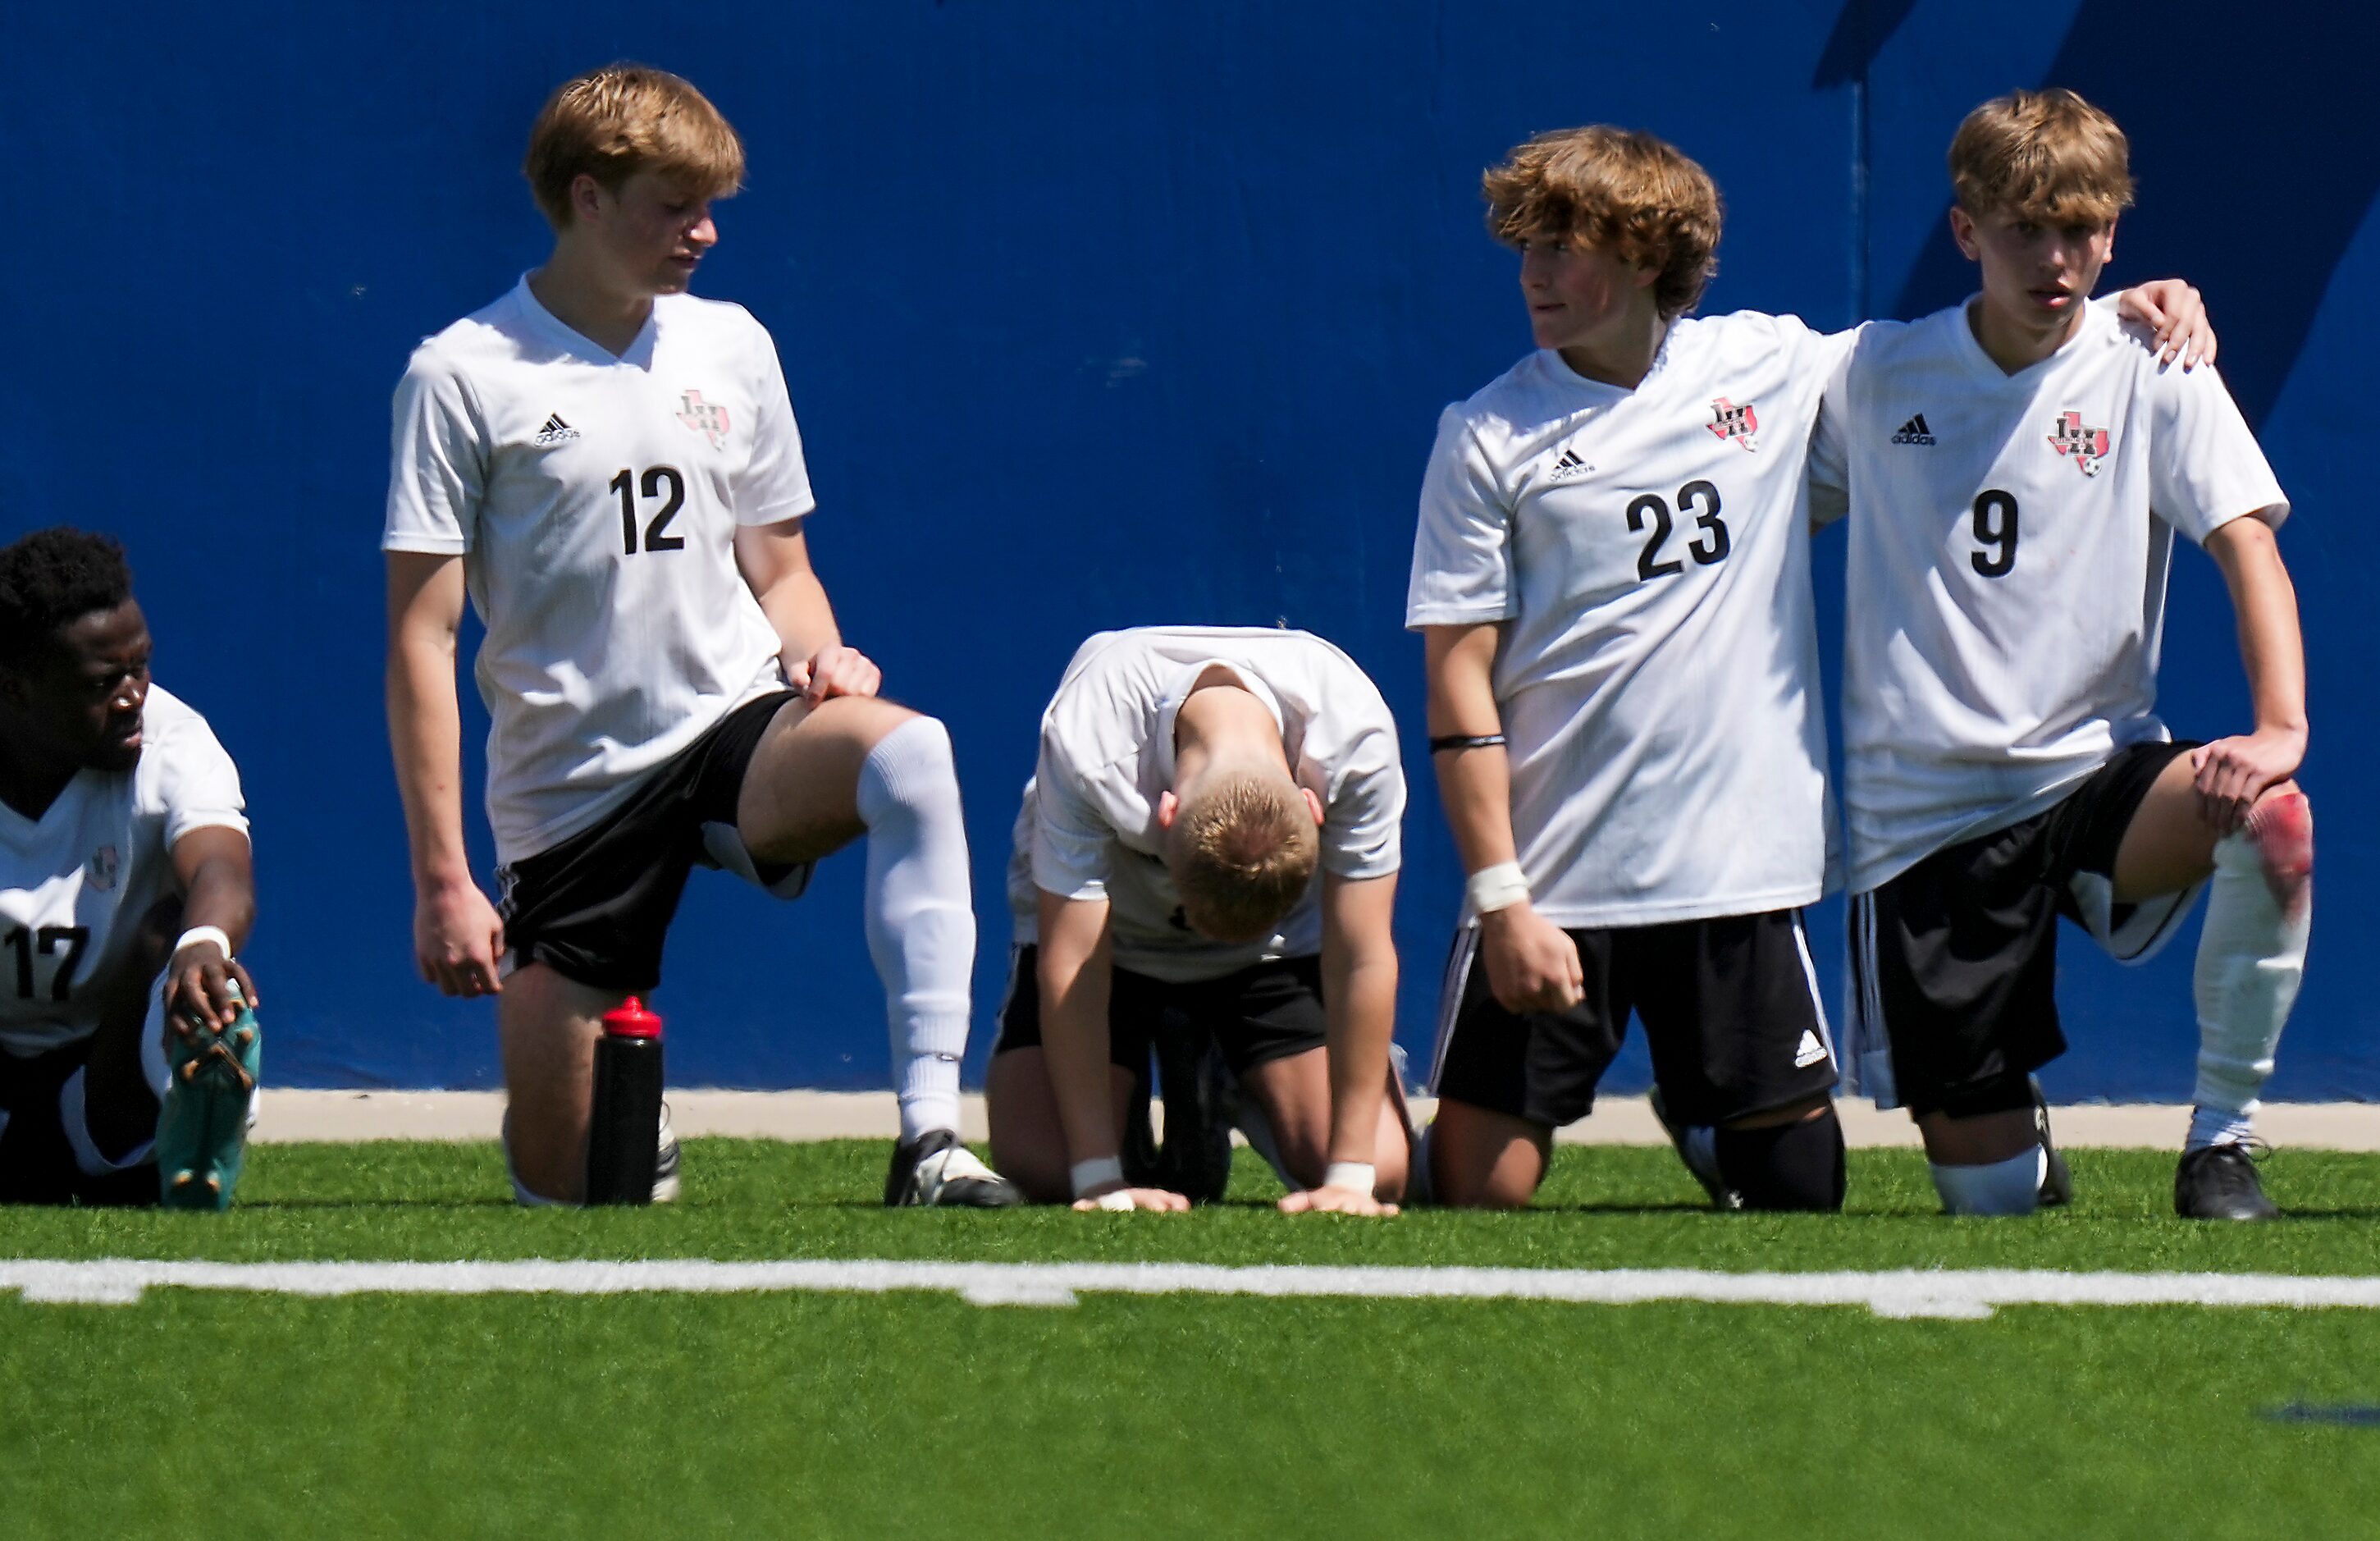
[1034,1165]
[1497,1189]
[1304,1144]
[1392,1167]
[1792,1112]
[1460,1183]
[1977,1137]
[868,721]
[547,1165]
[2280,827]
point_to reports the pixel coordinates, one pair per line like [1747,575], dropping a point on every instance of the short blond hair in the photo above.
[1627,193]
[613,122]
[2044,155]
[1241,853]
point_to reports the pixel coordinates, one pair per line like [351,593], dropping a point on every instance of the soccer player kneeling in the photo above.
[122,855]
[610,467]
[1611,577]
[1191,780]
[1611,573]
[2015,468]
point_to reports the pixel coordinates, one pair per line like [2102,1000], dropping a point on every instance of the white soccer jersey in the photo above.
[1648,551]
[1088,825]
[594,499]
[2009,537]
[75,882]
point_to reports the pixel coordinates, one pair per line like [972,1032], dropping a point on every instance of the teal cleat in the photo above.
[202,1129]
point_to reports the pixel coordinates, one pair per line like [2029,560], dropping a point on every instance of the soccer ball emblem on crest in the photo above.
[1731,421]
[103,867]
[705,418]
[2068,436]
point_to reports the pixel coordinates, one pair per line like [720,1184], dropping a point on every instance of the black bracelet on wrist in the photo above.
[1465,741]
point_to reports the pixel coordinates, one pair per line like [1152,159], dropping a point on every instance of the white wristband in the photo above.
[205,933]
[1497,888]
[1357,1177]
[1097,1172]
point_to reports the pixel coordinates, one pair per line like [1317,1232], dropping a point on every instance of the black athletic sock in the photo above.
[1786,1166]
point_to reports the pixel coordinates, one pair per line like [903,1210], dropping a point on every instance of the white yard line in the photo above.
[347,1116]
[1957,1293]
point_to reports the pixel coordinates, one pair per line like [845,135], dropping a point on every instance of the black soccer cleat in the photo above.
[2220,1181]
[2056,1180]
[936,1170]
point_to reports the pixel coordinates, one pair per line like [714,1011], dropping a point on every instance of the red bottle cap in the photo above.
[630,1020]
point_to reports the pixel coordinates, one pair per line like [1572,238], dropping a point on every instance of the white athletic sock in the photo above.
[921,916]
[2010,1187]
[2252,955]
[2215,1127]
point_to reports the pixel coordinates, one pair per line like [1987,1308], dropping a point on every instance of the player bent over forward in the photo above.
[1191,779]
[610,467]
[120,827]
[2016,467]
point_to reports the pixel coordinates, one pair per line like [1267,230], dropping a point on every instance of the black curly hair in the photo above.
[52,578]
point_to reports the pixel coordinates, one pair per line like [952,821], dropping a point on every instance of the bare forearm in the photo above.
[1474,785]
[1074,976]
[2272,649]
[425,731]
[796,606]
[1360,994]
[223,894]
[2272,646]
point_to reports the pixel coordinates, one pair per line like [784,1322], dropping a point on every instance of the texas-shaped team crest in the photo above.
[2087,445]
[103,867]
[705,418]
[1731,421]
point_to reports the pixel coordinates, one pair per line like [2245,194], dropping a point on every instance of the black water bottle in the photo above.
[624,1140]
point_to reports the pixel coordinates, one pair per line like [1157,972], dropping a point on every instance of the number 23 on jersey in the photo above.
[1651,515]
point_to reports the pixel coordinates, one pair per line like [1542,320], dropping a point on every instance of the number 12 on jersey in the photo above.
[655,536]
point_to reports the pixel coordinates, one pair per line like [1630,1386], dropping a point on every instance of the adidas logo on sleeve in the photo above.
[1915,432]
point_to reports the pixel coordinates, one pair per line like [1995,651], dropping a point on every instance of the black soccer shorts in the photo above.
[597,908]
[1730,1011]
[1265,1012]
[1954,962]
[37,1160]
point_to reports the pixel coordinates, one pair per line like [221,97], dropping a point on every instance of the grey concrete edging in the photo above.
[290,1116]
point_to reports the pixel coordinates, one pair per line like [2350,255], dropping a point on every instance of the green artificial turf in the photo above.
[914,1414]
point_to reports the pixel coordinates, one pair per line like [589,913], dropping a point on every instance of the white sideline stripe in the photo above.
[1958,1294]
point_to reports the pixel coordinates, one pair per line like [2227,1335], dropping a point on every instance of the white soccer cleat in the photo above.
[666,1159]
[936,1170]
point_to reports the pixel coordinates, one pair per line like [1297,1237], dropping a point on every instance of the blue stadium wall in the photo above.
[1094,314]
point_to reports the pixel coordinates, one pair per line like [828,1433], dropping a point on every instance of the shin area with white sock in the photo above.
[920,912]
[2010,1187]
[2252,953]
